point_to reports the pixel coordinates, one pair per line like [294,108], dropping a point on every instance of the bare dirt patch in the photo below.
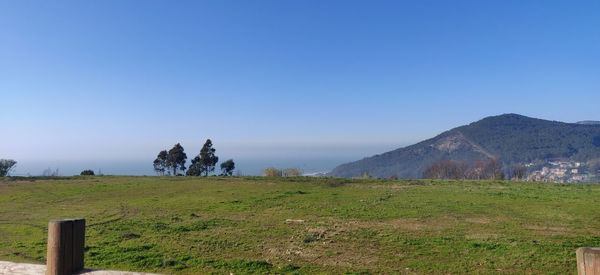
[338,254]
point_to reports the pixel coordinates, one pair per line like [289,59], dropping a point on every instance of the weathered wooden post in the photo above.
[66,241]
[588,261]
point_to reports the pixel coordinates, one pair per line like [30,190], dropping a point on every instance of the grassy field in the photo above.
[222,225]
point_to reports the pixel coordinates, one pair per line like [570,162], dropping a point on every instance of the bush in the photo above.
[87,173]
[272,172]
[291,172]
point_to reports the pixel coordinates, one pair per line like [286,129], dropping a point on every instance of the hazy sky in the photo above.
[104,80]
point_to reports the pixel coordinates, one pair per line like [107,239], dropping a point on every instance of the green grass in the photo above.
[221,225]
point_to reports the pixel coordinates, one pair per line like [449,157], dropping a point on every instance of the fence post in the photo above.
[66,241]
[588,261]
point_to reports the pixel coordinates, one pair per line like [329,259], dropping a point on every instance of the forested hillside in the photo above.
[511,138]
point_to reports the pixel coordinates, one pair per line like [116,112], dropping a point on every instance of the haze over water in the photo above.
[309,160]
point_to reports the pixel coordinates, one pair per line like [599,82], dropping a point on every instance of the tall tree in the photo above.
[205,162]
[176,158]
[160,163]
[208,159]
[5,166]
[227,167]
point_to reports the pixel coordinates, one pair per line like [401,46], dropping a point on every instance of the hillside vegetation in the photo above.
[511,138]
[261,225]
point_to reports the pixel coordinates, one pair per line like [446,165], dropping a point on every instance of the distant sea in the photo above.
[246,167]
[250,161]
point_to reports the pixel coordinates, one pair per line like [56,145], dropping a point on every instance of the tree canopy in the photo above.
[6,165]
[205,162]
[227,167]
[160,163]
[87,173]
[176,158]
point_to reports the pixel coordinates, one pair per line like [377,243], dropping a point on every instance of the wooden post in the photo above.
[66,241]
[588,261]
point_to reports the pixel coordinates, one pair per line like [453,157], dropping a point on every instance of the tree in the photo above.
[160,163]
[87,173]
[176,158]
[453,169]
[493,169]
[205,162]
[208,159]
[6,165]
[227,167]
[447,169]
[195,168]
[518,172]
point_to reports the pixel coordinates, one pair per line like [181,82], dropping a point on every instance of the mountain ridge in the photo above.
[511,138]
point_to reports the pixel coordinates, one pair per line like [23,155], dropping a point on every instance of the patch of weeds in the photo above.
[139,256]
[276,199]
[311,237]
[288,268]
[364,233]
[299,192]
[420,182]
[314,235]
[336,183]
[129,235]
[204,225]
[159,226]
[174,264]
[384,197]
[486,246]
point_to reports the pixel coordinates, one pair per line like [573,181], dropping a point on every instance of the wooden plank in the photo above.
[588,261]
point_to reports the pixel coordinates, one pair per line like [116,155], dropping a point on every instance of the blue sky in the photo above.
[86,81]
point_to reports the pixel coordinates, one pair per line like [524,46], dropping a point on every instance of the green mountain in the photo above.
[511,138]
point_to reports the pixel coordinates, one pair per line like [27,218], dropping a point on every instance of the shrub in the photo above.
[87,173]
[291,172]
[272,172]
